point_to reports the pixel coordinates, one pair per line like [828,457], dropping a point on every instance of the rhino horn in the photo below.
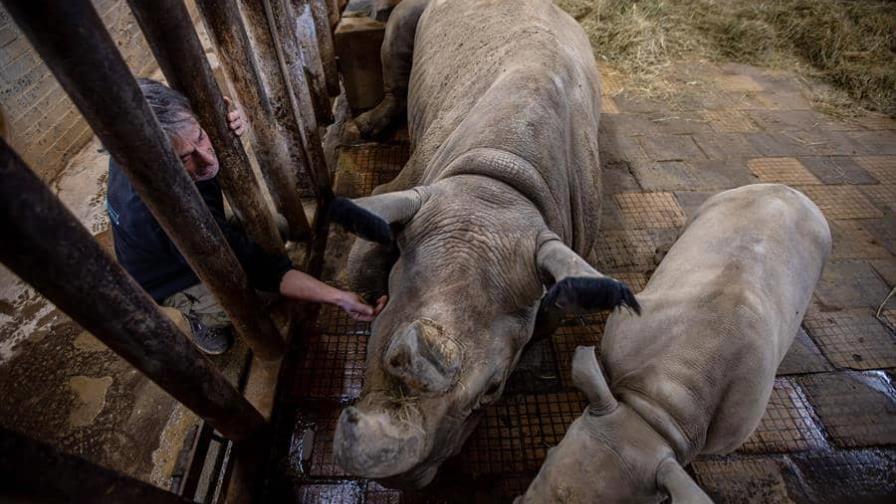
[682,489]
[423,357]
[376,444]
[587,376]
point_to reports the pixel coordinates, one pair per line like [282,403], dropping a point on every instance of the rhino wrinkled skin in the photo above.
[499,199]
[694,374]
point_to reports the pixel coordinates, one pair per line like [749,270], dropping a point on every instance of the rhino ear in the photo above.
[587,377]
[682,489]
[372,217]
[578,288]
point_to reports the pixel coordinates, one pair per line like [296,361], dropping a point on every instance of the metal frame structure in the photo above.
[52,251]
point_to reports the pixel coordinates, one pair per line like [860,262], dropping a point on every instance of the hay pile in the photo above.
[850,44]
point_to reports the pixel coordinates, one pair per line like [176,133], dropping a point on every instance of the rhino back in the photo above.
[720,313]
[513,76]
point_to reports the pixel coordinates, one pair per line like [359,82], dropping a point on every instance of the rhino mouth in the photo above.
[381,443]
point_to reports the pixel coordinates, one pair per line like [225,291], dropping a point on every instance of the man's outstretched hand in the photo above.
[357,309]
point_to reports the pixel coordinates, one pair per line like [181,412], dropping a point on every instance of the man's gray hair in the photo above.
[171,108]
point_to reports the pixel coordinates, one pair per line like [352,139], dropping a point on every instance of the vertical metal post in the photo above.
[47,247]
[325,45]
[281,19]
[175,44]
[72,41]
[31,471]
[277,148]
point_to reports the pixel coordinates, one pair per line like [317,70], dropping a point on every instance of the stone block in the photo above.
[875,143]
[776,145]
[837,170]
[729,121]
[781,170]
[670,147]
[836,477]
[853,241]
[850,284]
[856,409]
[841,202]
[358,41]
[852,338]
[788,423]
[656,210]
[725,145]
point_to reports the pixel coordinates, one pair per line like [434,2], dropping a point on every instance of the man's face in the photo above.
[195,151]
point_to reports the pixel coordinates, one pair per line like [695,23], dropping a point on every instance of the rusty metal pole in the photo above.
[278,150]
[325,44]
[31,471]
[175,44]
[72,41]
[278,14]
[47,247]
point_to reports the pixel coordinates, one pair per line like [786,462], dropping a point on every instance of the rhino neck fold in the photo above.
[516,172]
[662,422]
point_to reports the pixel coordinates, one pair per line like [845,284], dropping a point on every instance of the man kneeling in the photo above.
[146,252]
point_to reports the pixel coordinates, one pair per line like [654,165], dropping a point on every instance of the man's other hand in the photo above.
[357,309]
[235,118]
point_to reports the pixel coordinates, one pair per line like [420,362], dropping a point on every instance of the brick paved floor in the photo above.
[829,433]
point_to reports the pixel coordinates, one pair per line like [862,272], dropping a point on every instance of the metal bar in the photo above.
[72,41]
[197,456]
[279,149]
[47,247]
[278,14]
[298,29]
[325,44]
[169,30]
[31,471]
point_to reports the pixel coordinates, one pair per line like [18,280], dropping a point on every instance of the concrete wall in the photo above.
[38,119]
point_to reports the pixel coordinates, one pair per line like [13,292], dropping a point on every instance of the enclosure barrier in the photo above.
[72,41]
[169,30]
[65,478]
[48,248]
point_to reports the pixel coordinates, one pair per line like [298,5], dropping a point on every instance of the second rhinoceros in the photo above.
[499,199]
[694,374]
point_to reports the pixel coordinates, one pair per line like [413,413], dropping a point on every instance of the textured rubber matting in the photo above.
[856,409]
[649,210]
[536,370]
[852,338]
[334,320]
[788,424]
[884,196]
[883,168]
[741,479]
[332,367]
[841,202]
[635,280]
[517,431]
[375,164]
[729,121]
[803,357]
[783,170]
[581,331]
[846,476]
[340,492]
[629,249]
[311,441]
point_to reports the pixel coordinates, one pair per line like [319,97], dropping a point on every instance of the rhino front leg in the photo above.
[397,55]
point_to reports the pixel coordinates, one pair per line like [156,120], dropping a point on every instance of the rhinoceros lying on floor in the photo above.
[499,198]
[694,374]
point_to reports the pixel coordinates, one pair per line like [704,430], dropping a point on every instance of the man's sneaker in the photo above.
[211,340]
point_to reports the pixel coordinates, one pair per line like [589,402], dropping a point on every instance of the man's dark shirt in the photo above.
[146,252]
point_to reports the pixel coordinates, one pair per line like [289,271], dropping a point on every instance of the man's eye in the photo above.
[184,159]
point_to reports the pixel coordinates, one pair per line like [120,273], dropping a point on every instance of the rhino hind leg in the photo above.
[397,55]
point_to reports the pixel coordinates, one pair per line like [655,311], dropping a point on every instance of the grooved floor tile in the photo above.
[803,357]
[516,432]
[852,338]
[625,249]
[841,202]
[332,367]
[568,338]
[882,195]
[729,121]
[788,424]
[781,170]
[752,479]
[853,241]
[650,210]
[883,168]
[635,280]
[343,492]
[739,83]
[857,409]
[836,477]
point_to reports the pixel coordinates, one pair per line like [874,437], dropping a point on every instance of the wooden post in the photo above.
[46,246]
[299,27]
[325,44]
[173,40]
[72,41]
[31,471]
[258,81]
[279,151]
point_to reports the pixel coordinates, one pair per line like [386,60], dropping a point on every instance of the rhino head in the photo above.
[464,294]
[609,454]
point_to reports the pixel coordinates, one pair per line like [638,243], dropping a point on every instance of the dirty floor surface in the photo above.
[829,433]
